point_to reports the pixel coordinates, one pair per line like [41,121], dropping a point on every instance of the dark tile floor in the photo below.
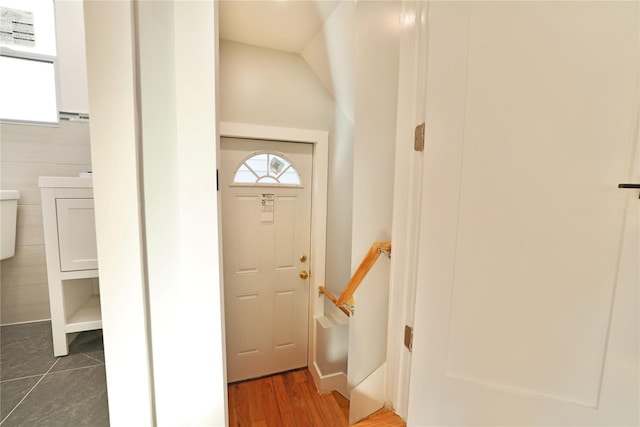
[38,389]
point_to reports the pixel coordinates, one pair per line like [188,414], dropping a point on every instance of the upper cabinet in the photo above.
[72,58]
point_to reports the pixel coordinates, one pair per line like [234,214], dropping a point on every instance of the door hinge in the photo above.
[408,337]
[217,181]
[418,137]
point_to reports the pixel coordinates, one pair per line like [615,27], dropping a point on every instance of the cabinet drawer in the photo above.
[76,234]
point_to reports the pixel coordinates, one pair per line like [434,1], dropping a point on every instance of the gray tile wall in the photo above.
[27,152]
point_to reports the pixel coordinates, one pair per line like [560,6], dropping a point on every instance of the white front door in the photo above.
[266,217]
[527,291]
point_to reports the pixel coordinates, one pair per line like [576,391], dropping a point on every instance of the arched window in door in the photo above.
[266,168]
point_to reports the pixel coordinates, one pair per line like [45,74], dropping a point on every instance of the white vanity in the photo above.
[72,260]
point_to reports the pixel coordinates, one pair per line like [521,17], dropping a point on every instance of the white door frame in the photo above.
[320,141]
[407,206]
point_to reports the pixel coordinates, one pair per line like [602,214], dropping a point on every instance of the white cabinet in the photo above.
[72,261]
[76,234]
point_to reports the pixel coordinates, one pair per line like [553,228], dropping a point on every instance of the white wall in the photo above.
[330,55]
[339,206]
[200,291]
[161,211]
[158,248]
[376,88]
[116,189]
[270,87]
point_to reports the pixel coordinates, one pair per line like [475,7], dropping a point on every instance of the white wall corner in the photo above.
[330,55]
[368,396]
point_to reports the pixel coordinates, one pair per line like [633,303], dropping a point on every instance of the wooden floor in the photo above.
[288,399]
[291,399]
[382,418]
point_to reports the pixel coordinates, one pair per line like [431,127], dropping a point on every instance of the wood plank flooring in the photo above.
[291,399]
[382,418]
[283,400]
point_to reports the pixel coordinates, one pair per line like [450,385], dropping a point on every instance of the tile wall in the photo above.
[27,152]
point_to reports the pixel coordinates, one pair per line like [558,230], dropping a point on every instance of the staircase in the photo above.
[367,394]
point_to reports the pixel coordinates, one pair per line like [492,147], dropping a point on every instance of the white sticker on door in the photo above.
[267,211]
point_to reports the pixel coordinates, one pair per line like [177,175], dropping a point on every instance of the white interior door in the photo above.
[266,217]
[527,298]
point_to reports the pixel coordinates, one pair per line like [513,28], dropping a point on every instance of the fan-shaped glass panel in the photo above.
[267,169]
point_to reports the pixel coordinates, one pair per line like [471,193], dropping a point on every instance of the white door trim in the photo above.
[407,209]
[320,141]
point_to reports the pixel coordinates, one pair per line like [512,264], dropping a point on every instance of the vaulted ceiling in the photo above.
[286,25]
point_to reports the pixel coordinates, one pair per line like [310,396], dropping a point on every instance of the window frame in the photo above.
[257,183]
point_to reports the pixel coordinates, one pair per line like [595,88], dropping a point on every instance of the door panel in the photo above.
[265,231]
[248,333]
[284,319]
[532,118]
[76,234]
[288,211]
[246,252]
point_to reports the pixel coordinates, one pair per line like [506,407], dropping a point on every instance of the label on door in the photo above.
[266,214]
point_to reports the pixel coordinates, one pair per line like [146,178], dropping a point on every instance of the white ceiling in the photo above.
[286,25]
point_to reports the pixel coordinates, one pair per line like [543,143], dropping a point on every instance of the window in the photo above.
[28,61]
[266,169]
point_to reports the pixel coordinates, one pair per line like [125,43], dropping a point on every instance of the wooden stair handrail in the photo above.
[346,298]
[333,299]
[374,252]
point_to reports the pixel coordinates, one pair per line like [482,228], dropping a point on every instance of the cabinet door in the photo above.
[76,234]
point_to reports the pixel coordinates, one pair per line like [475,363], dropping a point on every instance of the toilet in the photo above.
[9,208]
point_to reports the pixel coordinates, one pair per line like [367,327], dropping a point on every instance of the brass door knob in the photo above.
[303,258]
[304,274]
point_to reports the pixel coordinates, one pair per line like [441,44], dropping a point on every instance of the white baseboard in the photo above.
[327,383]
